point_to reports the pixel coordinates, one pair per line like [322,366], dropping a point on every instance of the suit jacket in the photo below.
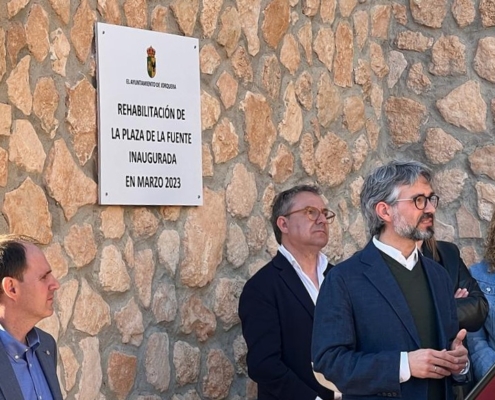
[472,310]
[276,312]
[47,356]
[363,323]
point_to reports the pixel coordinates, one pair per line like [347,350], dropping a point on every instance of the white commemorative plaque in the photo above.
[149,117]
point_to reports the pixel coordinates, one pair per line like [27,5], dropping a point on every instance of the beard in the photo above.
[405,230]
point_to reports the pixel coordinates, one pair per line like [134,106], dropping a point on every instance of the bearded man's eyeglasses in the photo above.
[421,200]
[314,213]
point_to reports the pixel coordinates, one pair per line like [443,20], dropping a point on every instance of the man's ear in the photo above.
[9,287]
[383,211]
[282,224]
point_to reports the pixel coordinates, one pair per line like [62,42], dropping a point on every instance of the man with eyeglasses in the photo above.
[277,304]
[385,321]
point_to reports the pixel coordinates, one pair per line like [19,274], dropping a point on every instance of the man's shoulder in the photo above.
[262,285]
[358,260]
[447,246]
[269,270]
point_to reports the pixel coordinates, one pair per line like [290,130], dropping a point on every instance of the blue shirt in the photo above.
[26,366]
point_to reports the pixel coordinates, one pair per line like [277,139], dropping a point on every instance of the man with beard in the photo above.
[385,320]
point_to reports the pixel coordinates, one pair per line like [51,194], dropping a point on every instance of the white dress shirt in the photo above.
[313,291]
[321,266]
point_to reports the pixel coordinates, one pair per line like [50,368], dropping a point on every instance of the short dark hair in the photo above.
[13,261]
[283,202]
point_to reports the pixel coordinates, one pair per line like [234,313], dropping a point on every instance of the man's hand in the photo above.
[457,342]
[461,293]
[436,364]
[429,363]
[458,351]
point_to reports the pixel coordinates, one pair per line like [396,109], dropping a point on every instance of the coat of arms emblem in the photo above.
[151,62]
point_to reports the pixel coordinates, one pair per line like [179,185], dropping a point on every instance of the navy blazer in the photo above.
[363,323]
[276,312]
[47,356]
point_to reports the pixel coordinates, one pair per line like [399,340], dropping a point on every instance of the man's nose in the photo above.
[429,207]
[321,219]
[55,284]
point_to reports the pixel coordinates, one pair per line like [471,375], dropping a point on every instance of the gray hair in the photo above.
[283,202]
[383,184]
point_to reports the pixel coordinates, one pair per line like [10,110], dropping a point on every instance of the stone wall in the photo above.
[292,91]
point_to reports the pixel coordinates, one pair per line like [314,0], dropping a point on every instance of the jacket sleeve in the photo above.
[261,330]
[334,346]
[472,310]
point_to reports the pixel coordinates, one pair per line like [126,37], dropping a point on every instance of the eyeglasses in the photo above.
[314,213]
[420,201]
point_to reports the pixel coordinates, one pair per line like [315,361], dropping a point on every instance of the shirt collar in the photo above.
[321,266]
[16,349]
[408,262]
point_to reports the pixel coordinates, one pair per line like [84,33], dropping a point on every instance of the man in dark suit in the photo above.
[28,356]
[277,304]
[385,321]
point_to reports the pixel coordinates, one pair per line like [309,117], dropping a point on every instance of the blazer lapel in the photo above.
[46,359]
[294,283]
[381,277]
[439,300]
[9,386]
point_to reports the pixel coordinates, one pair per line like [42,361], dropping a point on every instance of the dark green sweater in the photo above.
[416,290]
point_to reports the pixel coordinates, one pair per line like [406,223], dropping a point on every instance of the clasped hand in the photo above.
[436,364]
